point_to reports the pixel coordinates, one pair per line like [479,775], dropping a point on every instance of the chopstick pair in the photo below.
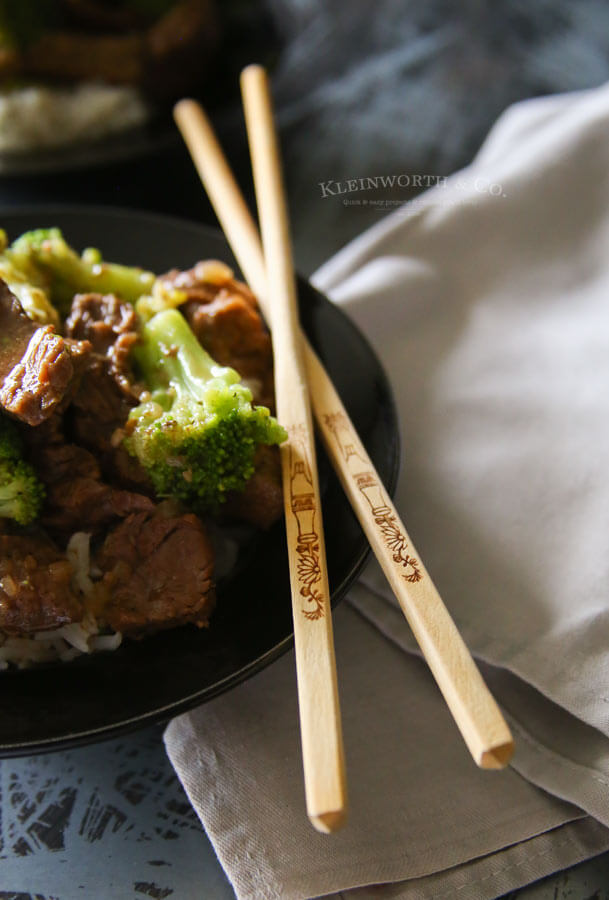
[270,275]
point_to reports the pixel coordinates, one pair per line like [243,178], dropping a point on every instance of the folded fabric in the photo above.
[487,299]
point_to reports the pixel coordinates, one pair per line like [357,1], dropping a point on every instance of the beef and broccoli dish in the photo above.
[135,421]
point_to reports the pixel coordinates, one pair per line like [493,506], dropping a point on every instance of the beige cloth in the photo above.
[488,301]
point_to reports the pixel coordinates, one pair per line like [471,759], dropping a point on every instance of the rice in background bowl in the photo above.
[39,117]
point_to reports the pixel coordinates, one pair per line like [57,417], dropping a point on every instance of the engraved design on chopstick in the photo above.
[398,544]
[368,483]
[303,506]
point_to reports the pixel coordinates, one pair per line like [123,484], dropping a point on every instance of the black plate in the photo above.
[95,697]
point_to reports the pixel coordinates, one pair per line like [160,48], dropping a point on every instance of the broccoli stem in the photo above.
[74,274]
[45,254]
[170,356]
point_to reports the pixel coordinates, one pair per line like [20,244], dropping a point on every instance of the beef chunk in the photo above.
[261,502]
[110,326]
[224,315]
[37,366]
[77,499]
[58,461]
[35,591]
[82,503]
[107,390]
[158,573]
[98,408]
[95,420]
[16,330]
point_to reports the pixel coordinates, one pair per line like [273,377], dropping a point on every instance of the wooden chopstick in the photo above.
[474,709]
[320,722]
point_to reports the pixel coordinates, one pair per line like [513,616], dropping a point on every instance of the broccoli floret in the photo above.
[198,433]
[33,297]
[49,262]
[21,491]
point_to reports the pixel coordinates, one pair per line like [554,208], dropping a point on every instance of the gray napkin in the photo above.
[488,301]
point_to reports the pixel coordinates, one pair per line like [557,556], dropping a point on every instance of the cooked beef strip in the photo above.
[107,390]
[261,502]
[35,591]
[77,499]
[15,330]
[86,504]
[37,366]
[98,412]
[227,322]
[157,573]
[110,325]
[56,460]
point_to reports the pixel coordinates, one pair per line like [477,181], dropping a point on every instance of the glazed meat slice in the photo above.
[35,591]
[98,408]
[95,420]
[110,326]
[261,503]
[88,504]
[157,573]
[224,315]
[107,390]
[37,366]
[13,322]
[77,497]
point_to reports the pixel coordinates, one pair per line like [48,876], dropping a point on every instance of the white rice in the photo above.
[68,641]
[39,117]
